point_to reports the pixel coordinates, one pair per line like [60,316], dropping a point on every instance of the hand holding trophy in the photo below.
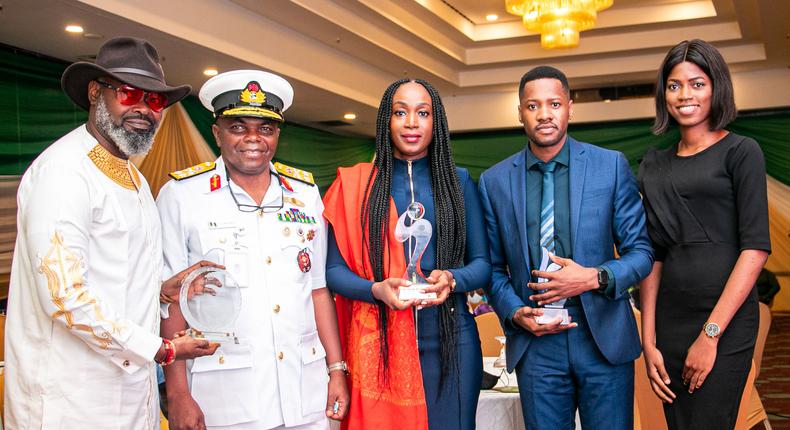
[210,300]
[552,311]
[420,230]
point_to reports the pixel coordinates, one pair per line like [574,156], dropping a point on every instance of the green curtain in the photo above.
[305,148]
[35,113]
[478,151]
[33,108]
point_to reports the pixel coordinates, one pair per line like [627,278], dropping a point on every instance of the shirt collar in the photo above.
[562,157]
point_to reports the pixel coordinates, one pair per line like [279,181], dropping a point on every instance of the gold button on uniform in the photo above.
[269,259]
[276,308]
[126,363]
[280,355]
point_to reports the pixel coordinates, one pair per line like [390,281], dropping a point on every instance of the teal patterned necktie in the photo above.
[547,206]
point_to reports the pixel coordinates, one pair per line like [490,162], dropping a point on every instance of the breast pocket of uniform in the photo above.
[314,377]
[222,384]
[224,242]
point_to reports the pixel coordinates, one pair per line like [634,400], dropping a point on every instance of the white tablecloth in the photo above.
[495,411]
[499,411]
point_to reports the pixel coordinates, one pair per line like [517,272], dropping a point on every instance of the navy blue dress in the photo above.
[454,406]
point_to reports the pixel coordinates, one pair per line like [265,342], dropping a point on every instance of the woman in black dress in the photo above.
[707,211]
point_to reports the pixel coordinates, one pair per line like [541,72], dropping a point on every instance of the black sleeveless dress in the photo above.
[702,211]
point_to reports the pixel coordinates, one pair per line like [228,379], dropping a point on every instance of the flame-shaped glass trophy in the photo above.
[501,361]
[556,310]
[420,230]
[210,300]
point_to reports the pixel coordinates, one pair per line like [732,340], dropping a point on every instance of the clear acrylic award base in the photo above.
[213,336]
[552,314]
[415,292]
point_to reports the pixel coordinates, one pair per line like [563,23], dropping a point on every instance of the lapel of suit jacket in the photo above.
[578,169]
[518,189]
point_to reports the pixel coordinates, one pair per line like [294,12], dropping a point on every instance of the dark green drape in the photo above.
[302,147]
[35,113]
[478,151]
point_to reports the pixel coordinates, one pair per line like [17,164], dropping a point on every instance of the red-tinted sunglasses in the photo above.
[128,95]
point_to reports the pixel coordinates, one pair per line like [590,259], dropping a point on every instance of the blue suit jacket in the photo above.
[606,210]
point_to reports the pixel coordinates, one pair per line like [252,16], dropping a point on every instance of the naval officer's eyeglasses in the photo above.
[255,208]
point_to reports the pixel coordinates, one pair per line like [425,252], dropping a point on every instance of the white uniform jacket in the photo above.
[83,314]
[277,374]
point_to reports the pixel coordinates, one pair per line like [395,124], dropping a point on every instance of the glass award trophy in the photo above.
[210,300]
[501,361]
[420,230]
[552,311]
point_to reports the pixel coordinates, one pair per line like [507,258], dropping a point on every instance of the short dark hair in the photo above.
[706,57]
[543,72]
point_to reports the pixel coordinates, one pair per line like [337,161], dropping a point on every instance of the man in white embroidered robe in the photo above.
[83,307]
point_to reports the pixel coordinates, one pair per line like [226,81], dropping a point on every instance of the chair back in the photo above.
[751,411]
[489,328]
[2,337]
[762,336]
[748,391]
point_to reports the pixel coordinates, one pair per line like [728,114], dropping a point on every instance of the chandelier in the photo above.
[558,21]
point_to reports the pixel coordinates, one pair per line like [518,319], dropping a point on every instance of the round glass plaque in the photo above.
[210,301]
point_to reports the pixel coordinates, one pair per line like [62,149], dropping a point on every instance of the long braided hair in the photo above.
[450,225]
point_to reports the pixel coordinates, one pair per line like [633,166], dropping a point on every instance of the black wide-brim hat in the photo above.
[129,60]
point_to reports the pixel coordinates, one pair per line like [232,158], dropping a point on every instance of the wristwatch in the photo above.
[603,279]
[340,365]
[711,329]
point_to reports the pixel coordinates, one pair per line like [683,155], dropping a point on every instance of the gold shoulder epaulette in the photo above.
[193,171]
[299,175]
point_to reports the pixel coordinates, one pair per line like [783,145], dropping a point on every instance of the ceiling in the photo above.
[340,54]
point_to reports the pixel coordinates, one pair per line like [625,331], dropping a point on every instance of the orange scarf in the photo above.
[398,402]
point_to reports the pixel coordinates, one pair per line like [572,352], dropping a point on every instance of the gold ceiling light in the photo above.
[558,21]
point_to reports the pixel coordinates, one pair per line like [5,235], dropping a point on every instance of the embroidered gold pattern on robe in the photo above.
[62,268]
[121,171]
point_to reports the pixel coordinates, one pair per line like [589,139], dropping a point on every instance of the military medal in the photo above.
[300,232]
[303,258]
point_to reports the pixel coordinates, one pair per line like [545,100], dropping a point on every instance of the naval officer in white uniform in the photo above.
[265,222]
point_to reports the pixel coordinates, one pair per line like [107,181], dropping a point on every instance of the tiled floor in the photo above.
[774,381]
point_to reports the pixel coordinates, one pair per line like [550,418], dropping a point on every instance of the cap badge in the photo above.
[252,95]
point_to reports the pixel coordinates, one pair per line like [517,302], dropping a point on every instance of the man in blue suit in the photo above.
[579,201]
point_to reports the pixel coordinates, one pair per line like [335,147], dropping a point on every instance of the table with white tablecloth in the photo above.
[499,411]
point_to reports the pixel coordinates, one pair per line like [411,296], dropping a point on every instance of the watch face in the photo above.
[603,277]
[712,329]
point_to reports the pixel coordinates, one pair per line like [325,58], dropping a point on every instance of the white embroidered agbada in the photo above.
[83,314]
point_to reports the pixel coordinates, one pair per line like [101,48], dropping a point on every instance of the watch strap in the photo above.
[339,365]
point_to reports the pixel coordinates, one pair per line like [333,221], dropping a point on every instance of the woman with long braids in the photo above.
[414,364]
